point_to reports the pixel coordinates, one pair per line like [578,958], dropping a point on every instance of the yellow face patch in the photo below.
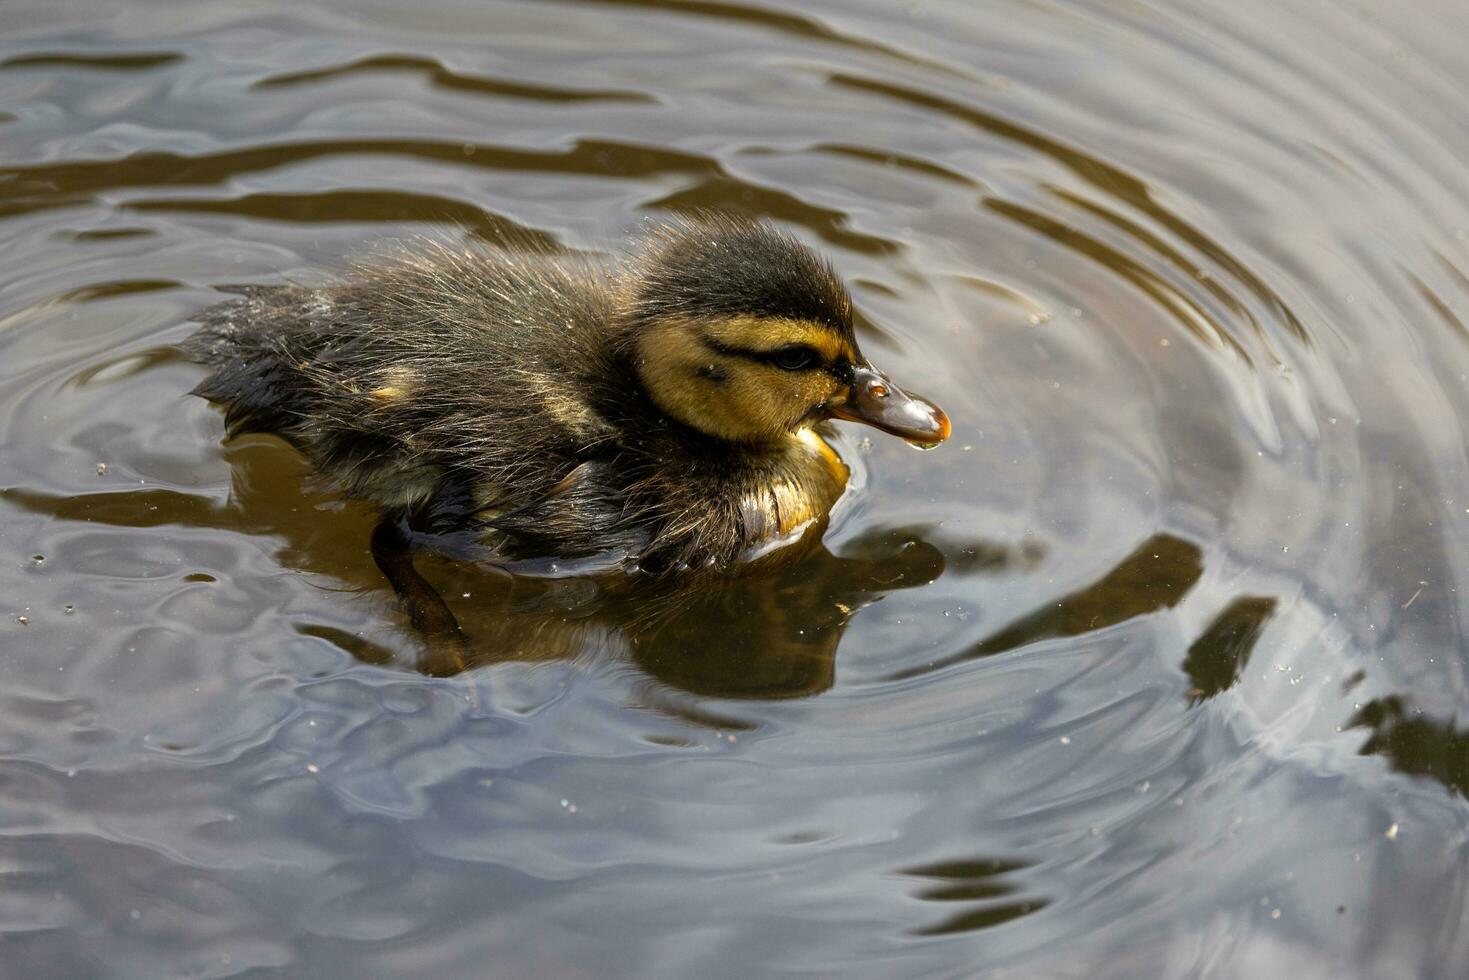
[715,376]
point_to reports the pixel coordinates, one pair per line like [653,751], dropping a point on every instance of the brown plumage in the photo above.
[656,415]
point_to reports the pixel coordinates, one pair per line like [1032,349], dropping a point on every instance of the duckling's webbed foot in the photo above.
[430,616]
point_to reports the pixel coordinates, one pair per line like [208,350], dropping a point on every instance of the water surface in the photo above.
[1155,669]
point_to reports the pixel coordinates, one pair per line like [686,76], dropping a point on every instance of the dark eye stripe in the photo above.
[772,357]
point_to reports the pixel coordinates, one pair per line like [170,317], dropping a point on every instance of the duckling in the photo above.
[661,415]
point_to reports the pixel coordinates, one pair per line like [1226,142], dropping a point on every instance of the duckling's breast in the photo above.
[797,493]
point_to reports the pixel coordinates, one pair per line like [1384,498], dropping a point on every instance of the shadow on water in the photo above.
[363,207]
[41,187]
[137,61]
[771,635]
[980,882]
[1156,575]
[451,81]
[1219,656]
[1414,743]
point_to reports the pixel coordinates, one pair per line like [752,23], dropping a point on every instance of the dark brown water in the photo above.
[1154,670]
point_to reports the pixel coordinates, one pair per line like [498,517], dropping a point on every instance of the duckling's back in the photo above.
[439,368]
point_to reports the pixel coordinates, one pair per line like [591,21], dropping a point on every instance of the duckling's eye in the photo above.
[797,357]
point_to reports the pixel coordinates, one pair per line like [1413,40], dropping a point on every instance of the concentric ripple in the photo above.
[1156,669]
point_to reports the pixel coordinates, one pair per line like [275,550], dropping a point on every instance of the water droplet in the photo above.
[921,446]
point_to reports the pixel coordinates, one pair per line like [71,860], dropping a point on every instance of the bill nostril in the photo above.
[878,391]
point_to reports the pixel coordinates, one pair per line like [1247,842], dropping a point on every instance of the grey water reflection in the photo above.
[1156,669]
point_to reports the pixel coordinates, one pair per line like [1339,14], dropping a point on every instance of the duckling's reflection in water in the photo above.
[776,635]
[771,633]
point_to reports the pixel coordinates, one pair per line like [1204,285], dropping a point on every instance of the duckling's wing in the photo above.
[582,515]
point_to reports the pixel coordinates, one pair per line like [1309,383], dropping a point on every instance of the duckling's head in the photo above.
[744,334]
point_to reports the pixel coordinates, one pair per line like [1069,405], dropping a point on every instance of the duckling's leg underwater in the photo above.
[444,651]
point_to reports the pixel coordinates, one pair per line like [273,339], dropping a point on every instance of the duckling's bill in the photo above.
[873,399]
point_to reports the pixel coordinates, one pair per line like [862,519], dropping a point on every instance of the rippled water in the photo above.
[1153,670]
